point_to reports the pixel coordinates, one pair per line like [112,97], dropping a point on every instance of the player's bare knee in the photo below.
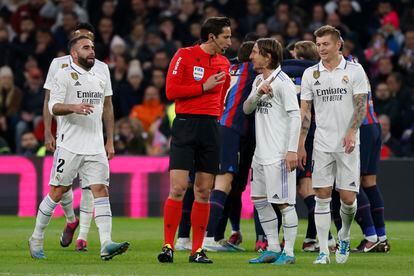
[99,190]
[347,197]
[368,181]
[202,193]
[323,193]
[56,192]
[177,192]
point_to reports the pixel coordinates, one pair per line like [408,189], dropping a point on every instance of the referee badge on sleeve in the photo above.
[198,73]
[74,76]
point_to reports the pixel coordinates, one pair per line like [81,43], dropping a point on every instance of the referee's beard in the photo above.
[86,63]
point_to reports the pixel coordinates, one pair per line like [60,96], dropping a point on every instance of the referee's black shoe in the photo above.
[200,257]
[166,255]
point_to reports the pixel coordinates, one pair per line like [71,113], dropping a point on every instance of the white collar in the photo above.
[341,65]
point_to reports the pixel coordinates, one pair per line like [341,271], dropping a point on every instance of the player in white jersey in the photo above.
[86,204]
[274,163]
[338,90]
[81,98]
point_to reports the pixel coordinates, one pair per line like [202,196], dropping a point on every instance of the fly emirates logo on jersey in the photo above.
[331,94]
[263,106]
[90,97]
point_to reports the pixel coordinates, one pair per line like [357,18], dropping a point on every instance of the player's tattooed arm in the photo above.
[305,108]
[360,109]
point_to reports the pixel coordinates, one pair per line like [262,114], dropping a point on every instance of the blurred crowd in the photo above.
[137,39]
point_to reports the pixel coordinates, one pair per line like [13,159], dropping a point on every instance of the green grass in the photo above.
[146,235]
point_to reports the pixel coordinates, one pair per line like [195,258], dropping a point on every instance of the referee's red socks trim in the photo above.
[172,217]
[199,220]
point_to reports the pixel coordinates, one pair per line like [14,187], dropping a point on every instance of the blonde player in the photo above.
[81,98]
[339,91]
[86,204]
[277,118]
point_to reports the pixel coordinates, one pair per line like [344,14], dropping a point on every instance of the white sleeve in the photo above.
[53,68]
[294,130]
[58,91]
[250,103]
[360,81]
[306,92]
[288,95]
[108,87]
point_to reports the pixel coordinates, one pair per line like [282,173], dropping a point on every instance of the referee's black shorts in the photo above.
[195,143]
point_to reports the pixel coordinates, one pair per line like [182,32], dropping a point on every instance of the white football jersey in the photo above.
[73,85]
[271,118]
[66,61]
[332,94]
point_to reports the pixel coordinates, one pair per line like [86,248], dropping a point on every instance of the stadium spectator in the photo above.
[10,101]
[29,9]
[158,80]
[391,146]
[318,17]
[59,9]
[32,104]
[386,104]
[129,93]
[119,71]
[29,145]
[253,16]
[406,59]
[104,38]
[151,108]
[136,38]
[129,137]
[45,49]
[292,32]
[62,32]
[276,23]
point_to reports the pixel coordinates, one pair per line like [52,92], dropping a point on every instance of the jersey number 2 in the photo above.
[59,168]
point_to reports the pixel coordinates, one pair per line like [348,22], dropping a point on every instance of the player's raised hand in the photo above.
[82,109]
[110,151]
[291,161]
[214,80]
[302,156]
[265,88]
[349,141]
[50,142]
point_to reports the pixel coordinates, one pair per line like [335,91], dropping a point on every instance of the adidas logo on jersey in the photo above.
[77,83]
[352,184]
[317,82]
[275,196]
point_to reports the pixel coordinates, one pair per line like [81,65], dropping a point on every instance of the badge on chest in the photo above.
[198,73]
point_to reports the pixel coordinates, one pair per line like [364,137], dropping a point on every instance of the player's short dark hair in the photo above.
[274,48]
[213,25]
[306,50]
[75,40]
[328,30]
[243,54]
[85,26]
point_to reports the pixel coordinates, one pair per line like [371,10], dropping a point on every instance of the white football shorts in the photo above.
[340,168]
[92,169]
[274,182]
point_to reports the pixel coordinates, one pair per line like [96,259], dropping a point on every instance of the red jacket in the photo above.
[189,69]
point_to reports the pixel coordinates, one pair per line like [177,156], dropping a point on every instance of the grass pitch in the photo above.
[145,236]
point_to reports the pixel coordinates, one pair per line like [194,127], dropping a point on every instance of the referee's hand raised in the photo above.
[214,80]
[82,109]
